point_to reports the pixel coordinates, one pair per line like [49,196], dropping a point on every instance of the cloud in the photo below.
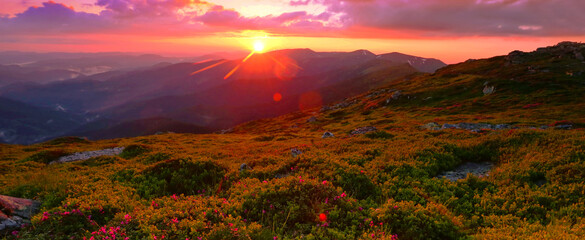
[465,17]
[52,18]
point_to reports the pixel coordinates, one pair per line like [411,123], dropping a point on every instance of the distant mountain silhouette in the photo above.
[208,94]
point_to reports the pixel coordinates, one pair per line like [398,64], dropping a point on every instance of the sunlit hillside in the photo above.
[485,149]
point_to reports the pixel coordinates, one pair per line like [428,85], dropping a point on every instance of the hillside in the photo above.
[391,163]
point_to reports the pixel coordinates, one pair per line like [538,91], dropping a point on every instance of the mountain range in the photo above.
[105,92]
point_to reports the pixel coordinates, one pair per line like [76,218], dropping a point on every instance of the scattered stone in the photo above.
[564,127]
[487,90]
[89,154]
[327,135]
[396,95]
[478,169]
[245,166]
[340,105]
[295,152]
[362,130]
[544,127]
[312,119]
[431,126]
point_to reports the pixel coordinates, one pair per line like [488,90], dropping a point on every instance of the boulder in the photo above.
[327,135]
[487,90]
[14,212]
[245,166]
[295,152]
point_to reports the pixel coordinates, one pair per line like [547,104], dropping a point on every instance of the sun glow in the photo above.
[258,46]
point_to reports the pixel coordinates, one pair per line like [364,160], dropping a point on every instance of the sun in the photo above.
[258,46]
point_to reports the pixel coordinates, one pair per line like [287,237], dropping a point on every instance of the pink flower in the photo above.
[324,182]
[174,197]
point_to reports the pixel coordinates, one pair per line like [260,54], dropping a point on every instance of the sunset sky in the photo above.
[451,30]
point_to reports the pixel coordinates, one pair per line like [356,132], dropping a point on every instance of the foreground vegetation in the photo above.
[378,185]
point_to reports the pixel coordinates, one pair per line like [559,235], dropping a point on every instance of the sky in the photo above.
[450,30]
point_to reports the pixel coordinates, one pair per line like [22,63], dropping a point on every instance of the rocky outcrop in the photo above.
[89,154]
[478,169]
[474,127]
[14,212]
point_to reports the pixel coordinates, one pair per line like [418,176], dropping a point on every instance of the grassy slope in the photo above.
[368,186]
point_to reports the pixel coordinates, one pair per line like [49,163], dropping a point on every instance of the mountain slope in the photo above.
[21,123]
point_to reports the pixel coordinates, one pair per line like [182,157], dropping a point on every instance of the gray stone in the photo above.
[244,166]
[396,95]
[564,127]
[449,126]
[295,152]
[544,127]
[9,223]
[502,126]
[2,226]
[487,90]
[327,135]
[478,169]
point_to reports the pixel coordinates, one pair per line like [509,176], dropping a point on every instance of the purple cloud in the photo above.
[466,17]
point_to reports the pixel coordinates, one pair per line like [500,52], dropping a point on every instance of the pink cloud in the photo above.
[466,17]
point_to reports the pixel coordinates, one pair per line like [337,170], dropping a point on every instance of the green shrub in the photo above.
[413,221]
[46,156]
[133,151]
[179,176]
[379,135]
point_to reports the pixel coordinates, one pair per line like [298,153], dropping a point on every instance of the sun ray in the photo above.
[209,67]
[231,72]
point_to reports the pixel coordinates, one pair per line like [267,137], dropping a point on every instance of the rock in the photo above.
[431,126]
[312,119]
[327,135]
[478,169]
[245,166]
[9,223]
[449,126]
[396,95]
[564,127]
[544,127]
[295,152]
[362,130]
[21,207]
[2,226]
[89,154]
[502,126]
[487,90]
